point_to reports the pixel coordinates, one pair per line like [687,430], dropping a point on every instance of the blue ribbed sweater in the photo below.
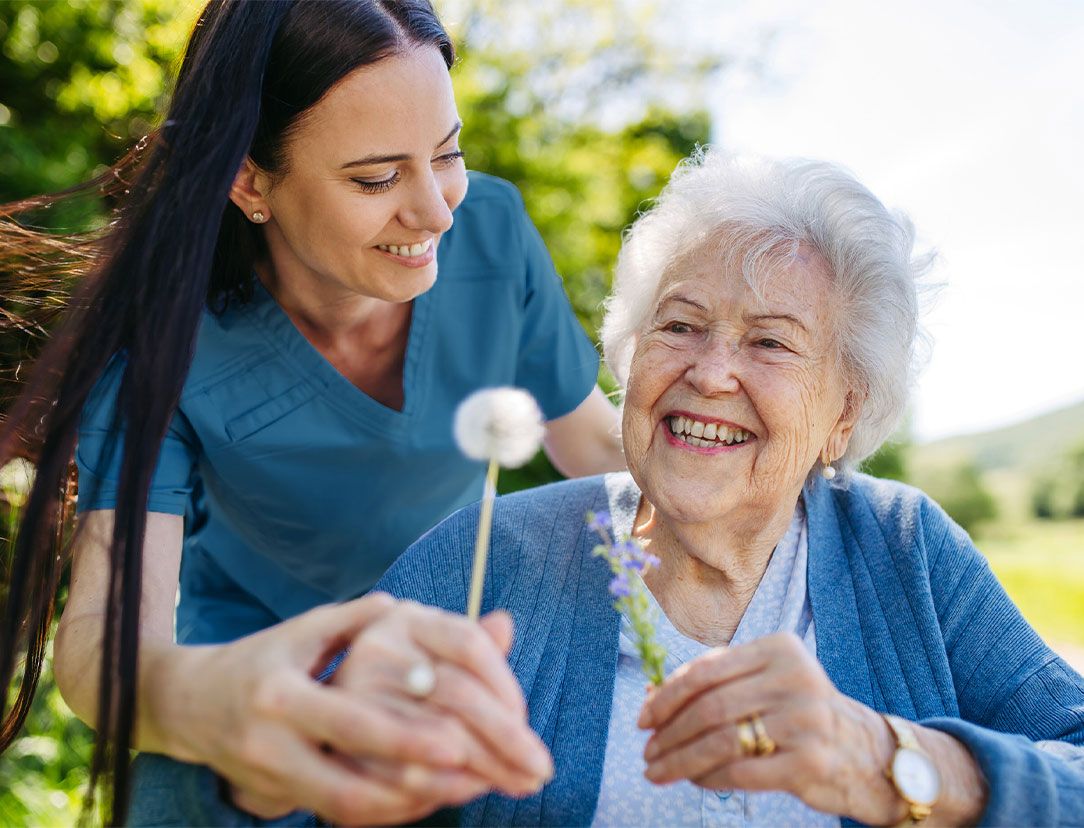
[910,620]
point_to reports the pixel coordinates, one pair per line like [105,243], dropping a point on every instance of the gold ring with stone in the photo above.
[747,738]
[764,744]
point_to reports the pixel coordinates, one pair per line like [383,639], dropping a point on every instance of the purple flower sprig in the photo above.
[629,561]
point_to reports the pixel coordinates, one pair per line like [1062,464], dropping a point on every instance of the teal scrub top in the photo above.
[299,489]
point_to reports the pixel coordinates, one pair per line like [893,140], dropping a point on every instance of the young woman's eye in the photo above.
[381,186]
[448,158]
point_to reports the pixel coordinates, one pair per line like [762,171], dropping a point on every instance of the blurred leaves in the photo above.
[580,104]
[1058,492]
[80,81]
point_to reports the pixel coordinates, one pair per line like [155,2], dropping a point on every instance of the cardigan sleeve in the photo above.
[1021,706]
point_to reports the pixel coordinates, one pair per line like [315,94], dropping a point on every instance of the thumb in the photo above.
[498,625]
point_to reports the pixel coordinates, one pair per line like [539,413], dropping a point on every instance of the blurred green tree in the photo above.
[580,104]
[889,461]
[1043,497]
[963,494]
[81,81]
[1058,492]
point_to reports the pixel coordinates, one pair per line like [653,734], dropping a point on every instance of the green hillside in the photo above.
[1026,447]
[1009,460]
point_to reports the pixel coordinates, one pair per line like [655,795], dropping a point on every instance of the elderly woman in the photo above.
[838,649]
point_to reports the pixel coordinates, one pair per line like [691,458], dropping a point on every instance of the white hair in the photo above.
[762,210]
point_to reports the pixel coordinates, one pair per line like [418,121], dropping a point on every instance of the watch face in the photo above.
[916,777]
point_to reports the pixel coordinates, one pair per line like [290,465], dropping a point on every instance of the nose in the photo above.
[426,207]
[713,370]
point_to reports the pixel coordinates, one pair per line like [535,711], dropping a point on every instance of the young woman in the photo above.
[260,372]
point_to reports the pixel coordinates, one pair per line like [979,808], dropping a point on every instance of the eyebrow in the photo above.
[785,317]
[369,160]
[685,300]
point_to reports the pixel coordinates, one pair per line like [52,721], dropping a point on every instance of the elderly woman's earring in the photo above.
[827,470]
[259,217]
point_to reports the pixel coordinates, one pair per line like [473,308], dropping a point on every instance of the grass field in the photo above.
[1041,564]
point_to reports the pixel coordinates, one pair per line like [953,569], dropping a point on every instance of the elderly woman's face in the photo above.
[731,398]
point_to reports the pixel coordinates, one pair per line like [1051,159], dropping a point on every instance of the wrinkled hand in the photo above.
[475,718]
[253,711]
[831,751]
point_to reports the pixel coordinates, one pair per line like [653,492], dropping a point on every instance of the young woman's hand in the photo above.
[474,707]
[355,750]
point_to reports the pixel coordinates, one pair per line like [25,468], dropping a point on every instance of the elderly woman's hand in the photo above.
[474,706]
[830,750]
[362,749]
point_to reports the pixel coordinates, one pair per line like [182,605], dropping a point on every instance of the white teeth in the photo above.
[406,249]
[696,433]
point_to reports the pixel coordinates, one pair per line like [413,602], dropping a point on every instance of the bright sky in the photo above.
[969,116]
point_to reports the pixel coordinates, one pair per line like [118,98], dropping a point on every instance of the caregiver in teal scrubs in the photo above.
[312,440]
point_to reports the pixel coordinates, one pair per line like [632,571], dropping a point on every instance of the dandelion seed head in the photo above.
[504,424]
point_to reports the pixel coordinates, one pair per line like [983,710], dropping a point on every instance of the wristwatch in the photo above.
[912,771]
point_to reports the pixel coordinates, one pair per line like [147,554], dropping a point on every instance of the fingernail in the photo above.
[651,751]
[646,719]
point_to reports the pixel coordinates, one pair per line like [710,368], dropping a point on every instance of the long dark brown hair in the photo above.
[174,246]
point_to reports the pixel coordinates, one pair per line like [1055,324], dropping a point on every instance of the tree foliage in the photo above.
[1058,492]
[80,81]
[963,494]
[578,103]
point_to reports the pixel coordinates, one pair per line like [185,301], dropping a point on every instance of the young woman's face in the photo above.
[373,174]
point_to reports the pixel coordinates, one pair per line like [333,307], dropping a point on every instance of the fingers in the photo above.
[280,767]
[721,665]
[710,751]
[464,643]
[325,629]
[759,773]
[261,806]
[498,626]
[505,749]
[334,716]
[721,705]
[439,786]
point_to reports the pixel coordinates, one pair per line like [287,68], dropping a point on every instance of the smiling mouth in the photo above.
[706,435]
[407,251]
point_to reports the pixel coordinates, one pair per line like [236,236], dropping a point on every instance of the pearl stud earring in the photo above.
[259,217]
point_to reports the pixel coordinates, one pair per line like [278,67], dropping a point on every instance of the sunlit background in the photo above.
[967,115]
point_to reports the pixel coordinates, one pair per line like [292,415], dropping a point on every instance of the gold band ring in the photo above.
[747,738]
[765,745]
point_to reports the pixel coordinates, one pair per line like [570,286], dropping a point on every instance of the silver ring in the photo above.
[421,679]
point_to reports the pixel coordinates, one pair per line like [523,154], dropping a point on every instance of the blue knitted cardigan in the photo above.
[910,620]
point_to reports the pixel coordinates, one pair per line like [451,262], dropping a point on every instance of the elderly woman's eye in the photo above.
[678,327]
[769,343]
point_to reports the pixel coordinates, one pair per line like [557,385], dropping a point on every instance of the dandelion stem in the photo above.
[481,547]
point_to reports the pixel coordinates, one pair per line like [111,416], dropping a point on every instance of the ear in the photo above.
[249,188]
[840,436]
